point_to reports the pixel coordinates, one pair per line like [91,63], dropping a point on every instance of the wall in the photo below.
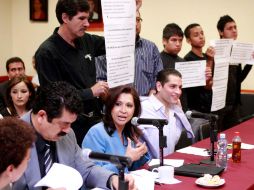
[25,36]
[6,33]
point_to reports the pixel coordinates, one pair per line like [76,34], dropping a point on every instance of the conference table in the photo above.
[238,176]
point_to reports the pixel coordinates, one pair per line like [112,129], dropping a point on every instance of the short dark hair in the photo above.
[223,21]
[56,96]
[171,30]
[188,28]
[71,8]
[162,76]
[114,93]
[13,60]
[12,83]
[16,137]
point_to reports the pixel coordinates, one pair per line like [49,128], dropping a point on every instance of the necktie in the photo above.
[47,158]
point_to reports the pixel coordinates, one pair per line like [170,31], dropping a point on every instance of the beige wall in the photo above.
[22,37]
[5,33]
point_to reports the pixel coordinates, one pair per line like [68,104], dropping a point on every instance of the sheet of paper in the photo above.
[193,73]
[194,151]
[242,53]
[220,77]
[172,162]
[119,19]
[120,70]
[61,175]
[222,48]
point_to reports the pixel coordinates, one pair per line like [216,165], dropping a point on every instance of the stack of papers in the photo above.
[194,151]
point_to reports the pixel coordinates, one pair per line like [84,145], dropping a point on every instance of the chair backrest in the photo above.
[204,130]
[201,130]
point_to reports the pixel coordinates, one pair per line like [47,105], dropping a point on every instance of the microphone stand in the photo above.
[122,184]
[213,139]
[162,143]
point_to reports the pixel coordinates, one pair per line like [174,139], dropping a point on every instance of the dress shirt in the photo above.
[153,108]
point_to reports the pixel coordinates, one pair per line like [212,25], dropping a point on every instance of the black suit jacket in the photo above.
[3,87]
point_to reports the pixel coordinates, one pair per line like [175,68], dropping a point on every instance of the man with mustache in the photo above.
[56,108]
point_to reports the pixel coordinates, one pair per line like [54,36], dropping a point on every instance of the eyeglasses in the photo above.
[138,19]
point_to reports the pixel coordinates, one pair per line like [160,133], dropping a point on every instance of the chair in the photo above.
[201,130]
[247,107]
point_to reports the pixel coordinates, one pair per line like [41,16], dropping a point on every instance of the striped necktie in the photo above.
[47,158]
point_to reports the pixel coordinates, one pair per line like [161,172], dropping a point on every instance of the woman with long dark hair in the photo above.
[116,134]
[20,95]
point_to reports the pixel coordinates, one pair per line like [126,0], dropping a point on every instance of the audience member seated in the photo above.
[165,105]
[14,150]
[20,95]
[116,134]
[14,67]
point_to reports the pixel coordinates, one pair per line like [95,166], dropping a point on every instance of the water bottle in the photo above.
[236,154]
[221,156]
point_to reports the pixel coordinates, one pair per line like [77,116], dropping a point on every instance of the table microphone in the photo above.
[146,121]
[194,114]
[115,159]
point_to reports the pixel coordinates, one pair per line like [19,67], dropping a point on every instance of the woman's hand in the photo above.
[137,152]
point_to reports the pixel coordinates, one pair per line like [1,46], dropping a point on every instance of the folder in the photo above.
[197,170]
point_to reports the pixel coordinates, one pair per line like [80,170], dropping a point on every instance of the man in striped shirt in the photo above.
[147,63]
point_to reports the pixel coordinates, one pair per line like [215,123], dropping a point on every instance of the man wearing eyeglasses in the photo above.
[15,67]
[147,63]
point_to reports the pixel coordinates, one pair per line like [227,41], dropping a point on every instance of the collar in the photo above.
[171,55]
[138,41]
[157,105]
[175,110]
[40,142]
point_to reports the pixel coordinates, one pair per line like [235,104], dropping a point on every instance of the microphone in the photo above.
[115,159]
[146,121]
[191,114]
